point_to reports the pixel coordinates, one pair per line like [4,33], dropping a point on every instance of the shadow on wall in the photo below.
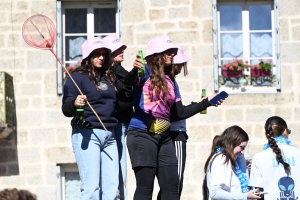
[9,164]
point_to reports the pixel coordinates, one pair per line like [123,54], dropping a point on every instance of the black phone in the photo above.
[221,96]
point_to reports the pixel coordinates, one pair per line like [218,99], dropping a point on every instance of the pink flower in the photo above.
[246,62]
[240,68]
[78,62]
[236,60]
[260,60]
[235,64]
[230,68]
[228,65]
[72,67]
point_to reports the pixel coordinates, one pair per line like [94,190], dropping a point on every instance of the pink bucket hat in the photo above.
[159,44]
[180,57]
[90,45]
[113,42]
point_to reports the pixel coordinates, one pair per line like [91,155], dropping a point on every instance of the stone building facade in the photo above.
[43,135]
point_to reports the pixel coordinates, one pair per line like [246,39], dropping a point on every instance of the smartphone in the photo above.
[260,193]
[221,96]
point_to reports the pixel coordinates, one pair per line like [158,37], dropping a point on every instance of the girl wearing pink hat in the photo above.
[94,147]
[148,140]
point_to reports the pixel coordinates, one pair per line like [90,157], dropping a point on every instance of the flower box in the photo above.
[255,72]
[227,73]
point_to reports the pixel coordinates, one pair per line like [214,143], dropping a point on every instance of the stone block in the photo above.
[39,7]
[5,5]
[40,60]
[156,14]
[202,8]
[180,2]
[29,155]
[295,20]
[7,155]
[33,76]
[184,36]
[186,86]
[50,82]
[181,12]
[30,118]
[288,8]
[297,113]
[42,137]
[31,169]
[46,192]
[287,56]
[159,3]
[207,31]
[296,33]
[4,17]
[258,114]
[294,136]
[284,112]
[12,181]
[50,170]
[37,102]
[202,55]
[59,155]
[188,24]
[56,117]
[284,30]
[133,12]
[22,5]
[63,135]
[22,136]
[144,27]
[3,170]
[234,115]
[207,80]
[259,131]
[164,25]
[143,39]
[200,133]
[128,35]
[31,89]
[35,180]
[13,170]
[18,17]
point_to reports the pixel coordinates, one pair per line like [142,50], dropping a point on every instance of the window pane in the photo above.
[260,17]
[232,45]
[73,47]
[76,20]
[261,45]
[72,184]
[230,18]
[105,20]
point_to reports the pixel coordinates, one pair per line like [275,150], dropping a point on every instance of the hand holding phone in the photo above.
[221,96]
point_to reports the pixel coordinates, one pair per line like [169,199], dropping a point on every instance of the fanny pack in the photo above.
[159,126]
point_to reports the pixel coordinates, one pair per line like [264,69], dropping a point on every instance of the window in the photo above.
[246,31]
[68,182]
[77,21]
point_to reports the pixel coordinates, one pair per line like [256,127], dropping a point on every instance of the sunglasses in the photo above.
[288,131]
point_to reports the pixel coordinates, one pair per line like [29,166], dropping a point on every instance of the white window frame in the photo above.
[275,40]
[90,28]
[60,179]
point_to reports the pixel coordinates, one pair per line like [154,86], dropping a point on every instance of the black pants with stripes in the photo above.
[179,139]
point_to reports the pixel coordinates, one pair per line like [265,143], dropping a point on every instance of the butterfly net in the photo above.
[39,32]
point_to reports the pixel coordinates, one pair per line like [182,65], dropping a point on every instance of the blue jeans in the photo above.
[120,137]
[97,158]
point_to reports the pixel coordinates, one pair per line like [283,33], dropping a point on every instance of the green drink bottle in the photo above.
[141,71]
[203,95]
[79,113]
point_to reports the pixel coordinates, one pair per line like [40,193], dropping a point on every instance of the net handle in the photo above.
[78,88]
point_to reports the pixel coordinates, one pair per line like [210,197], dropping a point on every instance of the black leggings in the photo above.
[167,179]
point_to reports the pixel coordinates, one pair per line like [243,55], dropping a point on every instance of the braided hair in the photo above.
[275,126]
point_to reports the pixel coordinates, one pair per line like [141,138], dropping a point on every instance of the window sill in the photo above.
[249,89]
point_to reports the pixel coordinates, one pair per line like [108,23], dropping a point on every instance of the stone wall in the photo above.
[43,134]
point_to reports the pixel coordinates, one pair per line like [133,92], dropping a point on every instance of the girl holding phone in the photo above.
[224,177]
[148,140]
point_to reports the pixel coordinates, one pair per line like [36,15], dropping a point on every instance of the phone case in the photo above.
[221,96]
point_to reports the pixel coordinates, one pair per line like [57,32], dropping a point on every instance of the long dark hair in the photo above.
[275,126]
[227,141]
[87,67]
[156,63]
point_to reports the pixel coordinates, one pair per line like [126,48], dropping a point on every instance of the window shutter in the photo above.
[215,43]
